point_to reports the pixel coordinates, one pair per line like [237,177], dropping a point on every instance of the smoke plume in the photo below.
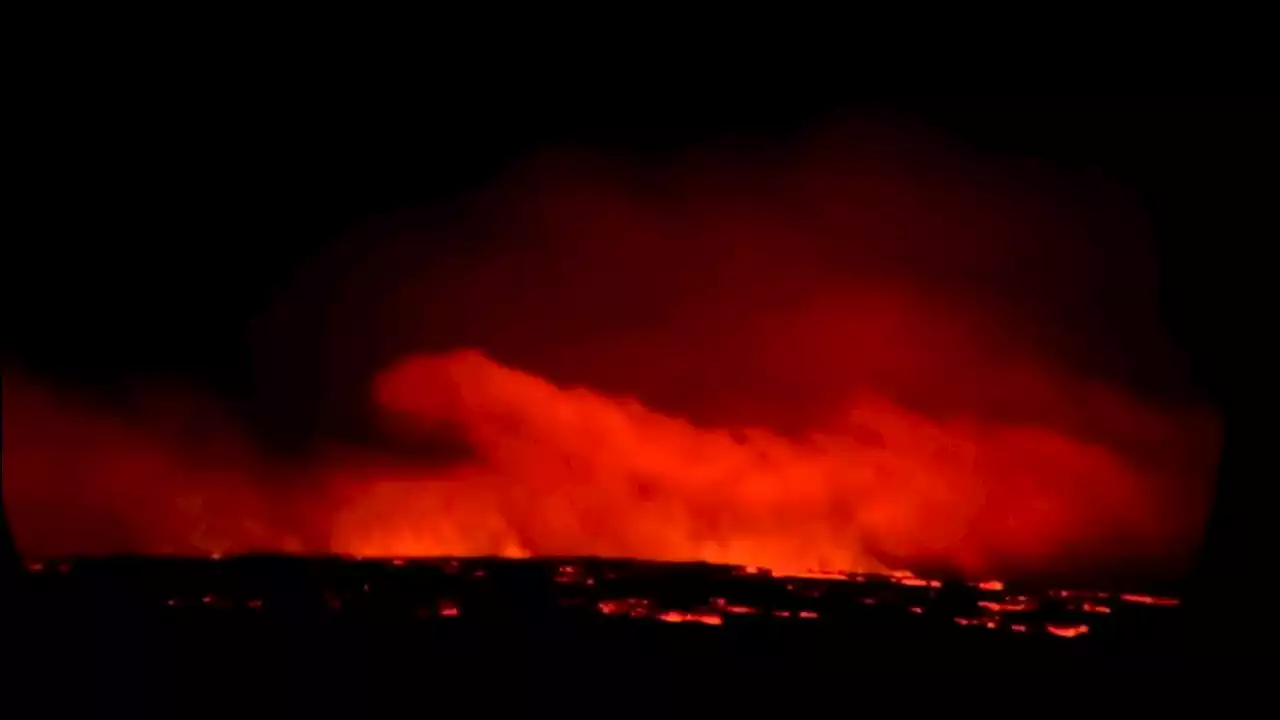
[861,349]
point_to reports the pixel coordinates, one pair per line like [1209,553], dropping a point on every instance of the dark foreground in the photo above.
[264,636]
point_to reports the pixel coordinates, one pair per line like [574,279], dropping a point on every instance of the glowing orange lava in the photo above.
[810,575]
[1067,631]
[1150,600]
[633,607]
[675,616]
[1004,606]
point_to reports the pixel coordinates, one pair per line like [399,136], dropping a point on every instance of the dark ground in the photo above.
[327,635]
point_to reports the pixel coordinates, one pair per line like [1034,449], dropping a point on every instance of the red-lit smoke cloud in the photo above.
[855,350]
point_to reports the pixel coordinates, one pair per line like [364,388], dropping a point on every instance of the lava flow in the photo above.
[481,590]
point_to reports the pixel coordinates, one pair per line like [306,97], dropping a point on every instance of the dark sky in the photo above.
[169,217]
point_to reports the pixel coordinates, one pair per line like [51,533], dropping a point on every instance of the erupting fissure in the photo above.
[845,358]
[569,472]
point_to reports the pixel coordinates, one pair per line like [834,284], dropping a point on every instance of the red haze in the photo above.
[861,350]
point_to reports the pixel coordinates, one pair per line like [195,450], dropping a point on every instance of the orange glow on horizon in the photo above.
[824,497]
[852,352]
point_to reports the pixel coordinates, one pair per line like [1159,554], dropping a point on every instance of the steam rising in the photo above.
[858,351]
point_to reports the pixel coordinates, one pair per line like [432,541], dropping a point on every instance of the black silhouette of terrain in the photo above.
[326,632]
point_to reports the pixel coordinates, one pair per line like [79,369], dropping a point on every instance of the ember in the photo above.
[1150,600]
[1068,594]
[1067,631]
[1004,606]
[813,575]
[634,607]
[567,574]
[675,616]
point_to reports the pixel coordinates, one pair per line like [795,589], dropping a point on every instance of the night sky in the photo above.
[212,197]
